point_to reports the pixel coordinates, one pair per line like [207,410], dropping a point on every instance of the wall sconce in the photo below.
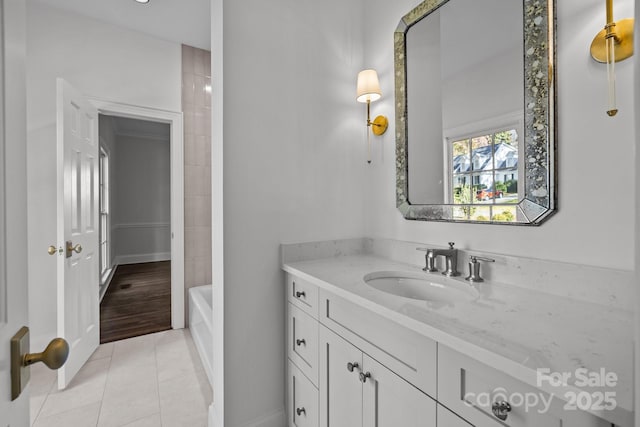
[368,90]
[614,43]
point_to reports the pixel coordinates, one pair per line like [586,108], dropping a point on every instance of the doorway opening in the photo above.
[149,251]
[135,227]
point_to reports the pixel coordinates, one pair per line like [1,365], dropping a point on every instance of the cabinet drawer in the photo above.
[302,341]
[406,353]
[303,295]
[470,388]
[302,399]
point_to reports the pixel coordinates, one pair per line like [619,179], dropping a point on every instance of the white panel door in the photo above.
[78,275]
[13,202]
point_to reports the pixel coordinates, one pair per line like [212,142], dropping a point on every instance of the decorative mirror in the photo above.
[475,111]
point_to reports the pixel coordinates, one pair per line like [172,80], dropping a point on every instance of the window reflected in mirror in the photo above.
[484,171]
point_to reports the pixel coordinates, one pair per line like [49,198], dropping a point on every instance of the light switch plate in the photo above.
[20,374]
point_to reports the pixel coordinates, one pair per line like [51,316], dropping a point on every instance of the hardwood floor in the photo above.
[138,301]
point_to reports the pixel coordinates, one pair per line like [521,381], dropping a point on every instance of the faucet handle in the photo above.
[429,259]
[451,245]
[474,268]
[475,258]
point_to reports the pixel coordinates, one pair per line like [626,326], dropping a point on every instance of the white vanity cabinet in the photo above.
[357,391]
[349,366]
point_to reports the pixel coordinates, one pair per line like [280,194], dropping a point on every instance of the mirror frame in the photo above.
[540,139]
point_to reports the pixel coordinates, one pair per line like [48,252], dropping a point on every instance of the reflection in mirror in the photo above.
[460,76]
[474,100]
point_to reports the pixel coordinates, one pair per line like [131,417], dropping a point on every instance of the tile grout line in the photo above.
[46,396]
[155,357]
[106,379]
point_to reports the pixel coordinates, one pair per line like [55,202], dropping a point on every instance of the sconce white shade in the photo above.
[368,87]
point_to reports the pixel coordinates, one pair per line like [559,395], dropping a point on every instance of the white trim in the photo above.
[104,285]
[175,120]
[140,258]
[141,225]
[273,419]
[489,125]
[140,135]
[217,409]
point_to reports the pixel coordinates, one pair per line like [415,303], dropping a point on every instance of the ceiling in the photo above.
[179,21]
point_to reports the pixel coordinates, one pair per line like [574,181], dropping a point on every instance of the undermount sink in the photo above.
[420,286]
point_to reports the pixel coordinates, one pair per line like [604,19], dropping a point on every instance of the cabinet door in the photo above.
[390,401]
[340,387]
[446,418]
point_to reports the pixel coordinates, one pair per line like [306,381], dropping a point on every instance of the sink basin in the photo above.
[420,286]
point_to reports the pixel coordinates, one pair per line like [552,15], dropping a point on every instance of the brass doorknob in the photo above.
[53,356]
[52,250]
[71,248]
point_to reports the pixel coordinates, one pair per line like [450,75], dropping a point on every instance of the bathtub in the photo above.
[201,325]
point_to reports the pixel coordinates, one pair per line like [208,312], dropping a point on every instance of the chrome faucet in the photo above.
[451,260]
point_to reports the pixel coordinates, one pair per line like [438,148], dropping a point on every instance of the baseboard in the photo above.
[274,419]
[140,258]
[104,287]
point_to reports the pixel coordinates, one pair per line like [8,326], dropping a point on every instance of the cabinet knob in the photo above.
[301,342]
[352,366]
[301,294]
[364,376]
[501,410]
[301,411]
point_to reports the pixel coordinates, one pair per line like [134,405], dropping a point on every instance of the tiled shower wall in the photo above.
[196,107]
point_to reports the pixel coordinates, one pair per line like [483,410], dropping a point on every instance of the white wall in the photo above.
[141,207]
[102,61]
[294,162]
[593,153]
[470,96]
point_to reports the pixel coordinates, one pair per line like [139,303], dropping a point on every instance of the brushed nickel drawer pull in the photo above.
[301,411]
[352,366]
[301,341]
[301,294]
[501,410]
[363,376]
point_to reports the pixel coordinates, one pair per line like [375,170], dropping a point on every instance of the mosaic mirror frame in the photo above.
[539,200]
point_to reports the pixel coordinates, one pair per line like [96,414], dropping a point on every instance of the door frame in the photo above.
[13,201]
[175,121]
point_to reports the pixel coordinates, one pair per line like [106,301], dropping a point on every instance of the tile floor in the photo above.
[154,380]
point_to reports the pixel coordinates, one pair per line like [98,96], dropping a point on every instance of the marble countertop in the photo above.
[518,330]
